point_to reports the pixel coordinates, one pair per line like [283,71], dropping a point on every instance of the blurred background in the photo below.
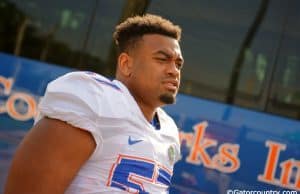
[241,80]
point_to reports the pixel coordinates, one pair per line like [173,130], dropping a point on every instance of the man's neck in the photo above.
[148,111]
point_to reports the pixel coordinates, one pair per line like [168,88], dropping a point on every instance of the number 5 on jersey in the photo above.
[129,173]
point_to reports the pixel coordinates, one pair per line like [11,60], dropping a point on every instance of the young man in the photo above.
[94,135]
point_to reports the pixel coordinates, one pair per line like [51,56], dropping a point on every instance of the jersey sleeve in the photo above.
[76,99]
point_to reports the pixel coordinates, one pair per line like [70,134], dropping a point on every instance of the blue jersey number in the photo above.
[129,174]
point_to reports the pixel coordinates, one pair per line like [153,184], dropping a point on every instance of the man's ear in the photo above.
[125,64]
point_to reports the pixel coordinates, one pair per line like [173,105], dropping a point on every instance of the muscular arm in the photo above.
[48,158]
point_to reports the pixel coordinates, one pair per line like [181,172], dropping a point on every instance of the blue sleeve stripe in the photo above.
[108,83]
[164,177]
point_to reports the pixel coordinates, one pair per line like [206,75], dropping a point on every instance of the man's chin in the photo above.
[167,98]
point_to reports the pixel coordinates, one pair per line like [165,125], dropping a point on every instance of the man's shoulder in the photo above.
[84,92]
[84,82]
[100,79]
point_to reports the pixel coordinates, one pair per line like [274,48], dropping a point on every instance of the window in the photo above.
[212,37]
[75,34]
[230,50]
[285,91]
[52,31]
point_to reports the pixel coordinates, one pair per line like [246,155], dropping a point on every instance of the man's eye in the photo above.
[179,65]
[162,59]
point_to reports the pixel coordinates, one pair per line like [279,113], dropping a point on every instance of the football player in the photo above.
[94,135]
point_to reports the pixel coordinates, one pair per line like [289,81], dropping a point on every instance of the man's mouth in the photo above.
[171,84]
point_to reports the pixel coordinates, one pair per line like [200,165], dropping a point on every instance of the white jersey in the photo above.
[131,155]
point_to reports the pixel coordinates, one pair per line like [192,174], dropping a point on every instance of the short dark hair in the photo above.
[132,29]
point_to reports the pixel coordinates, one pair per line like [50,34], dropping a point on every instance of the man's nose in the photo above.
[173,69]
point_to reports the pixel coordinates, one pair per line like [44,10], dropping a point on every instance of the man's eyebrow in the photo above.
[163,53]
[169,56]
